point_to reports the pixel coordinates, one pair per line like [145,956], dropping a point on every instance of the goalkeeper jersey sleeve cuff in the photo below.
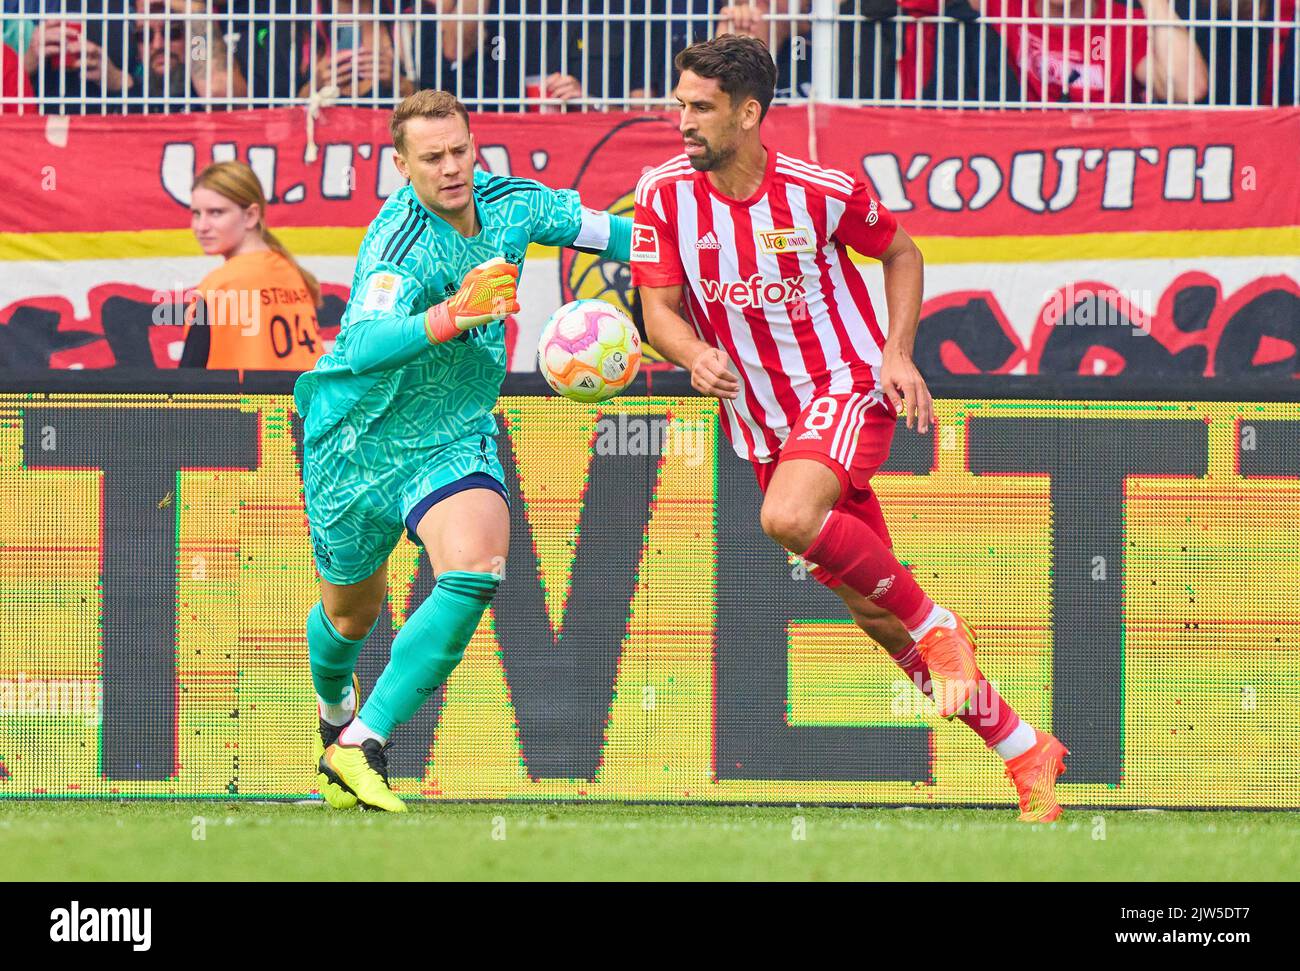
[606,235]
[620,239]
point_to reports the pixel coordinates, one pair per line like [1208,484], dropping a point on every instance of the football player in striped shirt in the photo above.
[752,243]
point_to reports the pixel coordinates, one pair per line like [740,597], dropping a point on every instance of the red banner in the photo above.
[1180,226]
[1013,173]
[953,173]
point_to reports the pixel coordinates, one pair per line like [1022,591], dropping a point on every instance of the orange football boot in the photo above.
[1034,774]
[954,676]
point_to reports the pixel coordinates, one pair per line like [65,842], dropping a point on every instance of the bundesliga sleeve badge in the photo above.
[381,291]
[645,244]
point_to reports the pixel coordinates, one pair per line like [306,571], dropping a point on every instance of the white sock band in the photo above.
[1018,742]
[341,713]
[937,617]
[358,732]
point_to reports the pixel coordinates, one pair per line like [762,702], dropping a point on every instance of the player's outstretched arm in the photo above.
[385,326]
[674,338]
[904,271]
[560,219]
[604,234]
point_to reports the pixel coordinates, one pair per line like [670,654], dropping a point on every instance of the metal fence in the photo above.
[115,56]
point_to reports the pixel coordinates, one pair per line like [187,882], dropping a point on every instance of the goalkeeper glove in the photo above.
[486,294]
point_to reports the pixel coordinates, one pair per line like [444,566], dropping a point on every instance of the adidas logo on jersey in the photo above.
[708,241]
[809,436]
[882,588]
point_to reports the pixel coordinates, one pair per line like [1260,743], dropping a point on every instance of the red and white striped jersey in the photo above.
[770,282]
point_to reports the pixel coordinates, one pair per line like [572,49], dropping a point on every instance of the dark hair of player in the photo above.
[424,104]
[742,66]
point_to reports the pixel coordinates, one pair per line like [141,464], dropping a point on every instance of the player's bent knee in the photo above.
[792,525]
[353,622]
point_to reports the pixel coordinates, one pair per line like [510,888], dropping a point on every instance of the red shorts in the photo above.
[850,435]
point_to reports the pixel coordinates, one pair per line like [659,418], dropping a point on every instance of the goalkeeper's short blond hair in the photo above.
[424,104]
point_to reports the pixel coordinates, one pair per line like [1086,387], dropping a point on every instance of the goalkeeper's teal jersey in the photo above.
[382,373]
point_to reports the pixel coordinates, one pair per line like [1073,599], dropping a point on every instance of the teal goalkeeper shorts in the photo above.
[359,494]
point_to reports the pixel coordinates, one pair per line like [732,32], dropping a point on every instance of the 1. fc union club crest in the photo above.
[799,239]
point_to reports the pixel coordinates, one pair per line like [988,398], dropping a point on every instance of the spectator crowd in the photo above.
[69,56]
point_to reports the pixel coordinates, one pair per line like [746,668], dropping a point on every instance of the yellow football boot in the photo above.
[362,770]
[334,794]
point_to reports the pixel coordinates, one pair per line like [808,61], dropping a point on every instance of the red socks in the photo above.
[853,552]
[850,550]
[988,716]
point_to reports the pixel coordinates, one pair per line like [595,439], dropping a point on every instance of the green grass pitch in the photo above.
[513,841]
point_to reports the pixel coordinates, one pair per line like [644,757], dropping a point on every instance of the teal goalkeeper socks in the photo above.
[428,647]
[333,657]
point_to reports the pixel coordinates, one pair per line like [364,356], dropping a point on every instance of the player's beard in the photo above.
[713,158]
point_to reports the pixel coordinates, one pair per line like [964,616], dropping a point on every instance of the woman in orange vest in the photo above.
[257,311]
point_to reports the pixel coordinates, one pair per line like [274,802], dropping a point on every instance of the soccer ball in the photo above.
[589,350]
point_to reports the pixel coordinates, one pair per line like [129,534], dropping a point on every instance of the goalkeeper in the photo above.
[399,431]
